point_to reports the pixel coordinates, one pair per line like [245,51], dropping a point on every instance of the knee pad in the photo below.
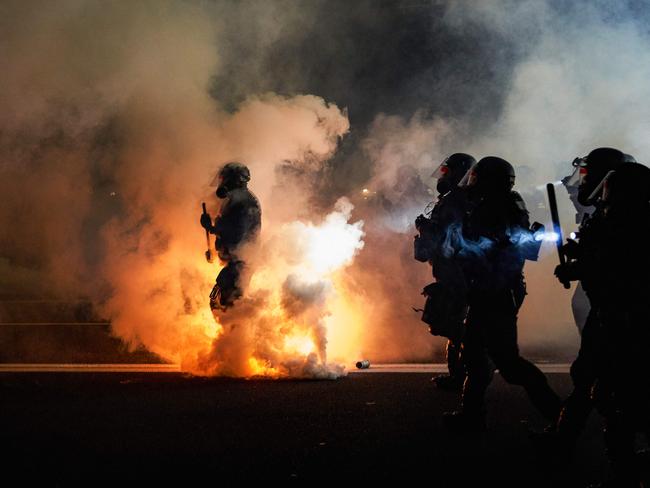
[227,288]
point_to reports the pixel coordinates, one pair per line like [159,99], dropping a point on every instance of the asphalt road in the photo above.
[61,429]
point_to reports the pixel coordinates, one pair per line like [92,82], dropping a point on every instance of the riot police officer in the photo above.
[621,286]
[434,229]
[582,256]
[238,222]
[497,240]
[580,302]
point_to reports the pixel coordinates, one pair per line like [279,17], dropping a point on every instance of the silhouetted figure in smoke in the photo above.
[447,299]
[497,241]
[579,302]
[238,222]
[580,305]
[620,283]
[582,258]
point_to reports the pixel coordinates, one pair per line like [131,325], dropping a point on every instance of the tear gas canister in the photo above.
[363,364]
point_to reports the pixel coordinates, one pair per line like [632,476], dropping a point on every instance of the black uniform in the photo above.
[238,222]
[446,307]
[622,388]
[441,228]
[580,305]
[584,266]
[497,230]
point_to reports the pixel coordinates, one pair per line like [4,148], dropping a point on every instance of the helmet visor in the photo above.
[469,179]
[440,171]
[216,179]
[579,173]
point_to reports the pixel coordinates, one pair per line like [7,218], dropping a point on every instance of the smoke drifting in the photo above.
[577,82]
[281,328]
[116,116]
[109,141]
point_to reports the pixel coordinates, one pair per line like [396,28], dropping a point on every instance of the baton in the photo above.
[208,252]
[557,228]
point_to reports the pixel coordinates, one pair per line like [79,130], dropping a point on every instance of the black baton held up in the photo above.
[208,253]
[557,228]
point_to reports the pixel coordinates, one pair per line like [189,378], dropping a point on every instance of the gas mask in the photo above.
[222,191]
[225,187]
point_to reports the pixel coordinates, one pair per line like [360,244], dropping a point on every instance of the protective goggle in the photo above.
[579,173]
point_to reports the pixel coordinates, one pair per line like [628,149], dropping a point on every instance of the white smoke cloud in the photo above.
[581,85]
[281,326]
[109,137]
[579,82]
[108,125]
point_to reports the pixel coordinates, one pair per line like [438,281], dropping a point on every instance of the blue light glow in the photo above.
[547,236]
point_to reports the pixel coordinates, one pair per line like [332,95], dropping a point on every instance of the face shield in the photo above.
[216,179]
[218,182]
[442,174]
[469,179]
[579,173]
[440,171]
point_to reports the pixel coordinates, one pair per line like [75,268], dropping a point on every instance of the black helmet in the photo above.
[235,171]
[593,168]
[452,170]
[232,175]
[628,158]
[628,186]
[491,175]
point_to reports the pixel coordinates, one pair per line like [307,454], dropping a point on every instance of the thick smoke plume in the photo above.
[110,139]
[116,116]
[575,80]
[281,327]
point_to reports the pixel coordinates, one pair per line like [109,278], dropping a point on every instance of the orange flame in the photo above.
[295,300]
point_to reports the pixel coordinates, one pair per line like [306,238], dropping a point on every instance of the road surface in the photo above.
[143,428]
